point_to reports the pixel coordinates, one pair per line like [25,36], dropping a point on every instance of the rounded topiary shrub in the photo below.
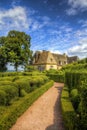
[2,97]
[6,82]
[23,93]
[22,84]
[15,78]
[11,93]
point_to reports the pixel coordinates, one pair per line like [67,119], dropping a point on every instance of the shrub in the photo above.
[26,73]
[23,93]
[2,97]
[37,81]
[6,78]
[30,68]
[11,92]
[15,78]
[69,114]
[84,105]
[73,79]
[77,80]
[56,77]
[8,74]
[75,98]
[6,82]
[22,84]
[18,107]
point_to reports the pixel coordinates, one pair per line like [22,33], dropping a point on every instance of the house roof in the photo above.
[41,57]
[46,57]
[72,59]
[59,57]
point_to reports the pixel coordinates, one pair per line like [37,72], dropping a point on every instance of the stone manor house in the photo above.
[45,60]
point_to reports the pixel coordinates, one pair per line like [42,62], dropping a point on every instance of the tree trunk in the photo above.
[16,66]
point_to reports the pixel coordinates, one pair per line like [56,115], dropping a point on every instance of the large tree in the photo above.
[3,59]
[3,55]
[17,48]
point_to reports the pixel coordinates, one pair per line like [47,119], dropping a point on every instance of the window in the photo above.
[51,59]
[65,62]
[41,68]
[60,62]
[51,67]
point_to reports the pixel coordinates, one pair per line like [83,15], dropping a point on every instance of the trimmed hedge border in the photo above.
[68,112]
[9,74]
[20,106]
[73,78]
[57,77]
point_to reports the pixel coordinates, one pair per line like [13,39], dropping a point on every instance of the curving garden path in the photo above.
[44,114]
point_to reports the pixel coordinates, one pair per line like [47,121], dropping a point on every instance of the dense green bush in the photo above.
[73,79]
[8,74]
[7,82]
[75,66]
[30,83]
[30,68]
[23,93]
[22,84]
[10,116]
[56,75]
[77,80]
[11,92]
[6,78]
[2,97]
[15,78]
[83,105]
[11,74]
[68,112]
[38,80]
[75,98]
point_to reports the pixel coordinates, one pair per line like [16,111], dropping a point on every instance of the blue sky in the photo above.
[56,25]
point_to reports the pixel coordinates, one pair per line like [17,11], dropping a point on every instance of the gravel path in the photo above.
[44,114]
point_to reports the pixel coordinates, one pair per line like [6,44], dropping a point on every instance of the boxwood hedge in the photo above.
[68,112]
[14,111]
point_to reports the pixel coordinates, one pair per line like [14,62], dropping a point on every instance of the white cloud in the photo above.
[71,11]
[62,39]
[81,33]
[80,49]
[36,24]
[76,6]
[84,24]
[78,3]
[65,28]
[14,18]
[22,19]
[55,51]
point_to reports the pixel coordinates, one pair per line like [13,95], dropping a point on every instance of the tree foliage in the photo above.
[16,48]
[3,59]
